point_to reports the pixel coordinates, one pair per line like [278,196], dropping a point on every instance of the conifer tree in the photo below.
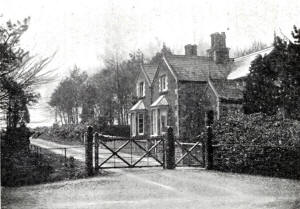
[274,79]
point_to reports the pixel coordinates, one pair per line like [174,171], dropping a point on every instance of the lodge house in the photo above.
[180,89]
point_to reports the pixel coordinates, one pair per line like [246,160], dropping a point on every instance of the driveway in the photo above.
[156,188]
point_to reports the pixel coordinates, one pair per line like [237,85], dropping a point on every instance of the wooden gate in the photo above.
[190,153]
[116,152]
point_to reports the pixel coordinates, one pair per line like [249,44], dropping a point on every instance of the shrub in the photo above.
[258,144]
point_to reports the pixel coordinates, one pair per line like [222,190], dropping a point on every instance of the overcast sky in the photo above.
[85,32]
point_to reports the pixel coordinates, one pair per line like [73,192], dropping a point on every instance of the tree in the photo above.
[254,47]
[164,51]
[67,97]
[20,74]
[274,79]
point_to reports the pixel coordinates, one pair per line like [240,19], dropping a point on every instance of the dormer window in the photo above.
[163,84]
[141,89]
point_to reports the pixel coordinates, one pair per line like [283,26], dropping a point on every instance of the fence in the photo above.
[65,152]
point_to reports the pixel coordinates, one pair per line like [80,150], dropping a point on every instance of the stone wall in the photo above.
[170,94]
[147,99]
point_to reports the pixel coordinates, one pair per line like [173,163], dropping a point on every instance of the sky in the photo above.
[86,32]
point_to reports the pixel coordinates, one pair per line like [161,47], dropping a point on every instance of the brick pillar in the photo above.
[170,150]
[89,151]
[96,152]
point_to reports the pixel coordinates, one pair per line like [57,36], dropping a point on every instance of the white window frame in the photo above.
[163,112]
[141,89]
[163,83]
[133,124]
[154,119]
[138,123]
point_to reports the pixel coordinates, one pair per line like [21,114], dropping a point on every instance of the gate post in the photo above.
[170,150]
[96,141]
[208,144]
[89,151]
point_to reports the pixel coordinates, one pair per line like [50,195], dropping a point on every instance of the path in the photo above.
[78,152]
[155,188]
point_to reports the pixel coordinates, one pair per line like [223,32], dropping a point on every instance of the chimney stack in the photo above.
[190,50]
[218,51]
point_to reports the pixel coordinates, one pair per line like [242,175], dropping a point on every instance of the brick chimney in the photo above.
[190,50]
[218,51]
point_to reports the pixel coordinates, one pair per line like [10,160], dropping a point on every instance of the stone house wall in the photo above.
[192,106]
[147,101]
[170,94]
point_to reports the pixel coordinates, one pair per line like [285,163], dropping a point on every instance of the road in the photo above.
[145,188]
[78,152]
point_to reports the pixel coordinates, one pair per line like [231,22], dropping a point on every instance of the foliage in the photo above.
[274,80]
[68,97]
[164,51]
[257,129]
[19,74]
[257,144]
[103,98]
[255,46]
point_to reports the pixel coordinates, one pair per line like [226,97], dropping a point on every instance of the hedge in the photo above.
[257,144]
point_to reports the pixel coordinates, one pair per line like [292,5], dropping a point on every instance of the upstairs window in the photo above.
[141,89]
[163,84]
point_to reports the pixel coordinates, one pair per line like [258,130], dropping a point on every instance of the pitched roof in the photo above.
[138,106]
[150,70]
[196,68]
[161,101]
[227,89]
[242,64]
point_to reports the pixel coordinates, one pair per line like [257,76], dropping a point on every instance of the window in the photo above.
[163,84]
[154,122]
[163,121]
[159,121]
[141,89]
[133,124]
[140,123]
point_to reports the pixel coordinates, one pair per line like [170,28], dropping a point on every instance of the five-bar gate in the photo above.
[166,151]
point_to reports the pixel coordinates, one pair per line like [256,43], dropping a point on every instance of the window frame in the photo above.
[141,89]
[154,128]
[163,113]
[138,123]
[133,124]
[163,84]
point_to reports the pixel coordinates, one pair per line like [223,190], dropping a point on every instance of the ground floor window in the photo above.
[141,123]
[133,124]
[163,121]
[154,122]
[159,121]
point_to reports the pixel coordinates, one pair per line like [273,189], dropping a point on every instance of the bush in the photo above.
[117,130]
[73,133]
[258,144]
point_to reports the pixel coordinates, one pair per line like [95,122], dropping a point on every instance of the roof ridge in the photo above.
[187,56]
[248,55]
